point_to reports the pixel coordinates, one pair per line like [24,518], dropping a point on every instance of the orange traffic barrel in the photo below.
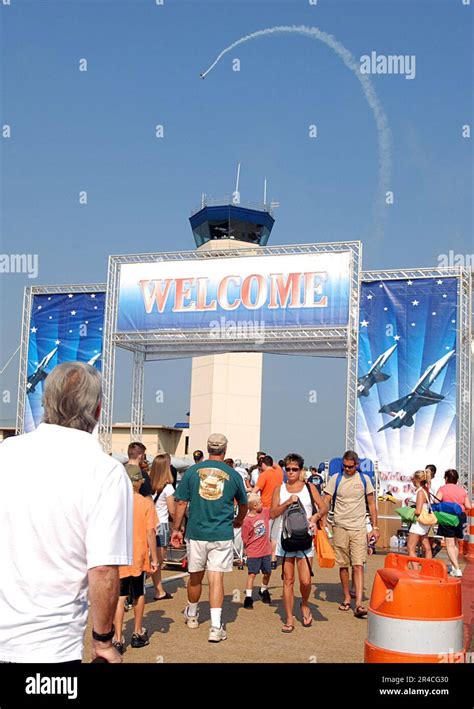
[415,615]
[467,586]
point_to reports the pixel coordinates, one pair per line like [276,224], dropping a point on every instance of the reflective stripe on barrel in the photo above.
[415,637]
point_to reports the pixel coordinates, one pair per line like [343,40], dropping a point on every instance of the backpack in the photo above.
[295,534]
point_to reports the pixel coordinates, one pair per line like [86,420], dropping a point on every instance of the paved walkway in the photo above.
[253,635]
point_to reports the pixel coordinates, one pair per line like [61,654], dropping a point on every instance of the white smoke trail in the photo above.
[381,121]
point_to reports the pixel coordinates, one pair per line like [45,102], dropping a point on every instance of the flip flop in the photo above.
[305,618]
[345,606]
[166,597]
[360,612]
[287,628]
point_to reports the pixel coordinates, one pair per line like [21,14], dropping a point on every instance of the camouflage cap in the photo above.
[217,441]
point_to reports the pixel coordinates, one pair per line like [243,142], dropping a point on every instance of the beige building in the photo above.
[226,393]
[156,438]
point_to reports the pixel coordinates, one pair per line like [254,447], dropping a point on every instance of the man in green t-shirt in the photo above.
[210,488]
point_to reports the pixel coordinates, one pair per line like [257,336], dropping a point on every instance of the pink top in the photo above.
[453,493]
[256,534]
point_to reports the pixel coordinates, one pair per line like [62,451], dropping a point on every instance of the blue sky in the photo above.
[95,131]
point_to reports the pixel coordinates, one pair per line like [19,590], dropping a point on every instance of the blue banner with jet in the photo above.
[64,327]
[406,391]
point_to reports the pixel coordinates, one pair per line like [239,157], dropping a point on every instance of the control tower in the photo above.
[226,389]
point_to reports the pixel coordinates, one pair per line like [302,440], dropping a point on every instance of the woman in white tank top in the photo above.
[419,532]
[283,497]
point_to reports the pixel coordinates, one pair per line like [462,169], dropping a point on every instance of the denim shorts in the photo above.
[257,564]
[163,535]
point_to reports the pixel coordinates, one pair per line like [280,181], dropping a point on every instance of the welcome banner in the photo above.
[275,291]
[407,376]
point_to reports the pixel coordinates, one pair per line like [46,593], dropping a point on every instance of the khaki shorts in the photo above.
[210,556]
[350,546]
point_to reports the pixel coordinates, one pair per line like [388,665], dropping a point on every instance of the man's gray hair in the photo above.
[72,394]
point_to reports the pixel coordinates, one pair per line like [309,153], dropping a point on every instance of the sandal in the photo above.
[287,628]
[307,621]
[360,612]
[166,597]
[345,606]
[119,646]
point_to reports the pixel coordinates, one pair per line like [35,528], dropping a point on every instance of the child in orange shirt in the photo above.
[132,578]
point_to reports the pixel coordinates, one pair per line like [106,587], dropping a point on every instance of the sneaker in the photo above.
[192,621]
[248,603]
[273,565]
[217,634]
[457,573]
[119,646]
[128,605]
[265,596]
[140,639]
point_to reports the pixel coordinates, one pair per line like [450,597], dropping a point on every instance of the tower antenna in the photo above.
[236,195]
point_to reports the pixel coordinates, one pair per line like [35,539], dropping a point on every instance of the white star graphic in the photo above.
[95,307]
[34,329]
[410,283]
[50,317]
[415,302]
[385,308]
[381,285]
[370,296]
[445,295]
[49,298]
[434,312]
[364,323]
[40,307]
[92,295]
[369,361]
[440,283]
[70,330]
[100,328]
[413,324]
[396,337]
[57,342]
[453,321]
[73,312]
[70,295]
[87,322]
[447,347]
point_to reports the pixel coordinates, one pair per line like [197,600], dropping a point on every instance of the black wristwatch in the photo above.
[104,637]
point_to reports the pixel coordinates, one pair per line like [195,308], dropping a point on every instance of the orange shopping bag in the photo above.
[324,550]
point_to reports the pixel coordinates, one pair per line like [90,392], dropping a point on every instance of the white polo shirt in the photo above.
[65,507]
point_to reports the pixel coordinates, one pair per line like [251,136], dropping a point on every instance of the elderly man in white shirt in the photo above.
[64,538]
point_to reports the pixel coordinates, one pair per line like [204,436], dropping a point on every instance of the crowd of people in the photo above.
[92,531]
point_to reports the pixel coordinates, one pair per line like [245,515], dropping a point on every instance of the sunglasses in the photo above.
[349,467]
[292,470]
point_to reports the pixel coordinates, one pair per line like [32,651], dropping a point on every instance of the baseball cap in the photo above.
[216,441]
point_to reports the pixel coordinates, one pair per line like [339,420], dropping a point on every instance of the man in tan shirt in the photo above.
[349,528]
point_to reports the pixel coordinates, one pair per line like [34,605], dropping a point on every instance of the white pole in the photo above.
[264,192]
[238,178]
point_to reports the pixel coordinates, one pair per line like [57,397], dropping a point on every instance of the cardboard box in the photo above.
[388,527]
